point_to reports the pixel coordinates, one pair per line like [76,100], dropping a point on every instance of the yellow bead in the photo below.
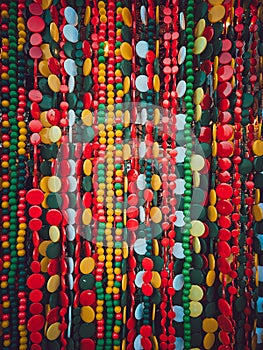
[108,290]
[108,264]
[22,226]
[110,219]
[4,13]
[21,41]
[110,212]
[119,153]
[101,4]
[210,278]
[21,253]
[21,145]
[21,151]
[5,164]
[118,251]
[20,244]
[117,271]
[5,124]
[110,87]
[100,251]
[21,233]
[103,19]
[117,309]
[23,347]
[21,26]
[109,257]
[118,73]
[23,131]
[126,16]
[101,258]
[102,140]
[6,342]
[87,314]
[99,309]
[6,264]
[118,133]
[120,93]
[99,317]
[22,34]
[4,286]
[5,103]
[5,76]
[110,94]
[87,67]
[4,55]
[22,138]
[6,144]
[118,212]
[111,275]
[115,290]
[6,304]
[117,329]
[101,79]
[119,113]
[100,199]
[156,83]
[23,340]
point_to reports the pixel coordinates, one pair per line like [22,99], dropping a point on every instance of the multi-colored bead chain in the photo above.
[131,182]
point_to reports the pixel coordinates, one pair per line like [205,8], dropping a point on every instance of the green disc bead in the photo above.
[189,9]
[187,326]
[189,105]
[187,312]
[188,259]
[188,178]
[187,99]
[185,272]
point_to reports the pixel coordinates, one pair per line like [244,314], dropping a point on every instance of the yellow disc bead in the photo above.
[6,264]
[23,340]
[6,124]
[5,205]
[5,103]
[5,164]
[6,304]
[20,246]
[21,252]
[99,317]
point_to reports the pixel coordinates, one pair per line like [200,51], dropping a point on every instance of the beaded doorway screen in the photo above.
[131,174]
